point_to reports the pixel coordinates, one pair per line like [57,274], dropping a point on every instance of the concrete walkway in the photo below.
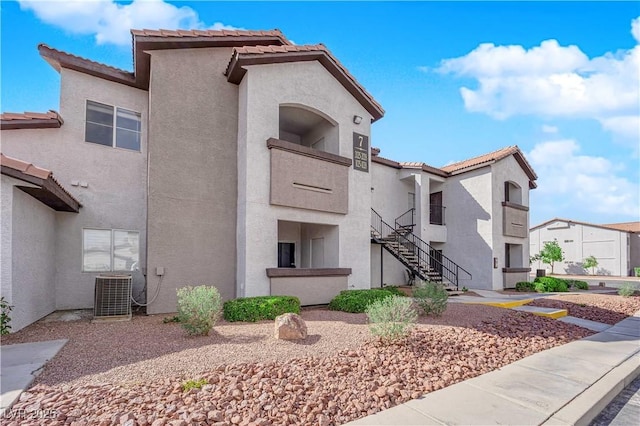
[566,385]
[20,364]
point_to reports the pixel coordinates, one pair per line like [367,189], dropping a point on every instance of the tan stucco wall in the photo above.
[263,89]
[115,196]
[468,198]
[310,290]
[504,170]
[294,178]
[192,173]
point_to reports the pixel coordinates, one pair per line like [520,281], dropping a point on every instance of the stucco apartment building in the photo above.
[239,160]
[616,246]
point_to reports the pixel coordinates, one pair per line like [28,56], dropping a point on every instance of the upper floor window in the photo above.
[112,126]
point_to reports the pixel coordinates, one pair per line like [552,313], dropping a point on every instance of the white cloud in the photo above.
[111,22]
[581,183]
[549,129]
[553,81]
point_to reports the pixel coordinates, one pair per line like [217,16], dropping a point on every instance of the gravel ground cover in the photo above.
[604,308]
[132,373]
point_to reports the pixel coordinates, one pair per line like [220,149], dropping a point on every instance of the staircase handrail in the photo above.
[408,216]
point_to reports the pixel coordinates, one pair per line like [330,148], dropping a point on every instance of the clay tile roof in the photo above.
[30,120]
[481,159]
[277,54]
[49,190]
[209,33]
[24,167]
[492,157]
[624,226]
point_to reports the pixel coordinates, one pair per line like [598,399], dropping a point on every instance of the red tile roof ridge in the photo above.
[481,159]
[27,115]
[32,170]
[253,50]
[208,33]
[24,167]
[71,55]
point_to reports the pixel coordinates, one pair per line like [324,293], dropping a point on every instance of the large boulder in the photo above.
[290,327]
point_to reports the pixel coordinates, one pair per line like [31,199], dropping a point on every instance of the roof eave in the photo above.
[144,44]
[59,60]
[236,71]
[48,190]
[30,124]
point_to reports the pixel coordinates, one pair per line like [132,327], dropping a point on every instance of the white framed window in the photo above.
[112,126]
[110,250]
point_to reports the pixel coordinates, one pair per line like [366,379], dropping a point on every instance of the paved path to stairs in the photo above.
[566,385]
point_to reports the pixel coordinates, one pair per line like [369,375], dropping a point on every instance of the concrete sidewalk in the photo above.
[566,385]
[20,364]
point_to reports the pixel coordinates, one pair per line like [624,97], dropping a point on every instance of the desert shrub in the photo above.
[636,271]
[194,384]
[393,289]
[5,319]
[550,284]
[356,301]
[432,298]
[627,289]
[525,286]
[577,284]
[167,320]
[252,309]
[198,308]
[391,318]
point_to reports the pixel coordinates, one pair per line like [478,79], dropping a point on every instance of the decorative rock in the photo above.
[290,327]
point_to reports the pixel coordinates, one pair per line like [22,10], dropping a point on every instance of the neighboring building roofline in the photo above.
[31,120]
[259,55]
[613,226]
[48,190]
[624,226]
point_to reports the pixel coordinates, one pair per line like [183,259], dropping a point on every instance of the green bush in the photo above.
[636,271]
[393,289]
[5,319]
[356,301]
[252,309]
[550,284]
[391,318]
[525,286]
[577,284]
[432,298]
[194,384]
[627,289]
[198,308]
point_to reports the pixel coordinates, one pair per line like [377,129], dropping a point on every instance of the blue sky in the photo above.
[457,79]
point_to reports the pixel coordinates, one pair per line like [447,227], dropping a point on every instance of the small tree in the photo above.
[591,262]
[551,252]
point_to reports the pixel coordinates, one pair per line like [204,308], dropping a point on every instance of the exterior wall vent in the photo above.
[112,297]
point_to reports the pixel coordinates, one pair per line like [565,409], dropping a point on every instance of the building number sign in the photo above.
[360,152]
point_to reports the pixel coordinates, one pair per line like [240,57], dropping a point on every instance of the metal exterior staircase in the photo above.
[418,256]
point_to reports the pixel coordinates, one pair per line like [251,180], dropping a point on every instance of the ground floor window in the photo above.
[286,255]
[110,250]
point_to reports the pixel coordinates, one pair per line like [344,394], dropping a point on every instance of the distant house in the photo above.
[240,160]
[616,246]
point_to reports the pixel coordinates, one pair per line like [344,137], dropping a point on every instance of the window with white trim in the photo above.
[110,250]
[112,126]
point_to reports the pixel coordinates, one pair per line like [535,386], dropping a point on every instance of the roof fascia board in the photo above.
[67,202]
[237,70]
[30,124]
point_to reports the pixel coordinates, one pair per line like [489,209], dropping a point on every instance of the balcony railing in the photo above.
[436,214]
